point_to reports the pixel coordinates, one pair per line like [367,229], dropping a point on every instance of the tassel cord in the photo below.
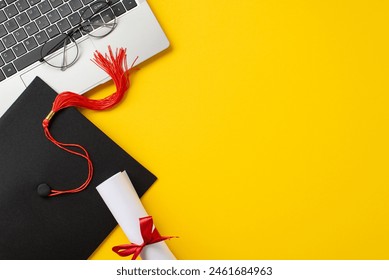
[84,154]
[116,67]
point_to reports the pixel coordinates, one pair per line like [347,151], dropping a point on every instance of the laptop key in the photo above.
[96,21]
[53,16]
[22,5]
[19,49]
[77,35]
[8,56]
[22,19]
[44,7]
[41,37]
[11,11]
[86,13]
[42,22]
[2,4]
[64,10]
[9,41]
[2,48]
[33,13]
[129,4]
[107,15]
[74,18]
[30,43]
[63,25]
[20,34]
[31,28]
[52,31]
[98,6]
[118,9]
[11,25]
[9,70]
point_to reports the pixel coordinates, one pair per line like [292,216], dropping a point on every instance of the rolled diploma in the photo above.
[122,200]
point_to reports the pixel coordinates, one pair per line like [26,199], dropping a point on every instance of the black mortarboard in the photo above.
[69,226]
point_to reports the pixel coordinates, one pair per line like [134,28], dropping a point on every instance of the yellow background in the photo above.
[266,123]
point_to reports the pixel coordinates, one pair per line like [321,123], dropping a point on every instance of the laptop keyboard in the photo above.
[25,25]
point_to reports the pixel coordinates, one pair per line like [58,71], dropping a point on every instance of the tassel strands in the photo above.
[115,65]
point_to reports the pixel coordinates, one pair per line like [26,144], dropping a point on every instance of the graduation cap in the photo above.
[65,226]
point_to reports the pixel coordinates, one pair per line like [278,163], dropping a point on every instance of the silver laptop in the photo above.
[56,39]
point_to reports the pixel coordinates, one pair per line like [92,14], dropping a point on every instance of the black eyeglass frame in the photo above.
[87,25]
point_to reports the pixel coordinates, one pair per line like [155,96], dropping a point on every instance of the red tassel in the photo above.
[116,68]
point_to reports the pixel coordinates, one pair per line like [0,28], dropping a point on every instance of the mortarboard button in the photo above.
[44,190]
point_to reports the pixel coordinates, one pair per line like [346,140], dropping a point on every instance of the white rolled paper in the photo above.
[122,200]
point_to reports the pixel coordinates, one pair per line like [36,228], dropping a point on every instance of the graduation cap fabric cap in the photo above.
[69,226]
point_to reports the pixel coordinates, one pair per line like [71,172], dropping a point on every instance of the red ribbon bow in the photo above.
[149,235]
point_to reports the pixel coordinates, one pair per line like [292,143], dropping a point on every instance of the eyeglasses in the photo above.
[96,20]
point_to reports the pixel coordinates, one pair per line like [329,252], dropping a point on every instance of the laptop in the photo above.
[25,24]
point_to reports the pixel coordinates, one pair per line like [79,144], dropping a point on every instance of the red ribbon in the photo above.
[149,234]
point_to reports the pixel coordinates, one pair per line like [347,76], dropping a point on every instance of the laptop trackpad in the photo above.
[79,78]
